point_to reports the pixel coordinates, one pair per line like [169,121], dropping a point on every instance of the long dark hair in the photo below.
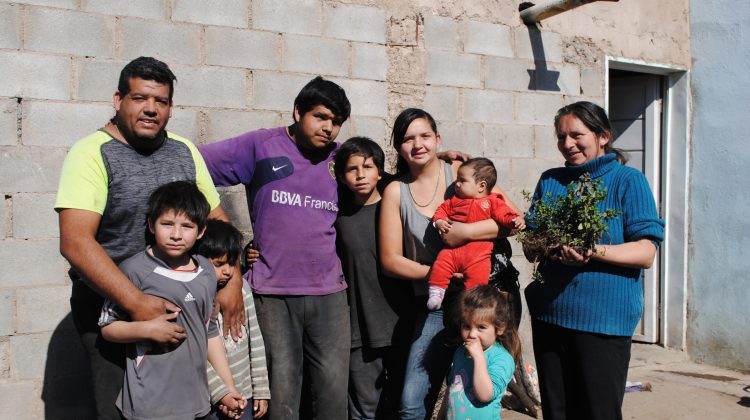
[487,302]
[595,119]
[402,123]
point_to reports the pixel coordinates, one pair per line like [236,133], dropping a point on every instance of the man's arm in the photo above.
[79,246]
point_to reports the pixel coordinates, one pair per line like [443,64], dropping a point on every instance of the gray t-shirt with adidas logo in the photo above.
[168,384]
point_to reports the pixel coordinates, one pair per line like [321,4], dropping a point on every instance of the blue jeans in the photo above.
[427,366]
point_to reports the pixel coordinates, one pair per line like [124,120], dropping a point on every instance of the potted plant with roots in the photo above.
[572,219]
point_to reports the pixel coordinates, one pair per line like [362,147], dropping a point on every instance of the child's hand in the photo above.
[474,347]
[519,223]
[443,226]
[164,330]
[233,404]
[260,407]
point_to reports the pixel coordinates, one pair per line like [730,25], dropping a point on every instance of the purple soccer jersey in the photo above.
[292,199]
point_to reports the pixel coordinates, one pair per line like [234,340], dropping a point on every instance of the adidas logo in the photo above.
[189,297]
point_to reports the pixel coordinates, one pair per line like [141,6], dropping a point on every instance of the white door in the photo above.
[635,110]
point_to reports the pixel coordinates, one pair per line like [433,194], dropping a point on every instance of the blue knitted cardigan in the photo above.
[598,297]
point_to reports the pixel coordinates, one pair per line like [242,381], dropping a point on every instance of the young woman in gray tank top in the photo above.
[409,244]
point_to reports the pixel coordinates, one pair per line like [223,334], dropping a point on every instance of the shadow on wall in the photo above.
[67,391]
[540,77]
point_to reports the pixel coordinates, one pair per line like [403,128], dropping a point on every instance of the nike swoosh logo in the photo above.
[276,169]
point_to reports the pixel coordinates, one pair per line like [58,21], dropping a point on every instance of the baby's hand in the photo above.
[443,226]
[233,404]
[519,223]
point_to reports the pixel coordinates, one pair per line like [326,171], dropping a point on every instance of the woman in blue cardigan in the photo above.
[587,308]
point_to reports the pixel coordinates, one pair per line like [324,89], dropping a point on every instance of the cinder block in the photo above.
[545,143]
[61,124]
[148,9]
[295,17]
[453,69]
[509,141]
[525,172]
[487,106]
[9,26]
[65,4]
[305,54]
[502,167]
[212,12]
[4,213]
[440,33]
[184,122]
[35,76]
[536,109]
[255,49]
[276,91]
[4,359]
[368,98]
[369,61]
[29,353]
[235,204]
[442,103]
[373,127]
[30,169]
[210,86]
[20,400]
[563,78]
[225,124]
[34,216]
[509,74]
[538,45]
[69,32]
[355,23]
[592,81]
[31,263]
[8,122]
[172,43]
[55,301]
[406,65]
[7,311]
[97,80]
[488,39]
[465,137]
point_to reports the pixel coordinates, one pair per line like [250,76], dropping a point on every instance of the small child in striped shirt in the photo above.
[222,245]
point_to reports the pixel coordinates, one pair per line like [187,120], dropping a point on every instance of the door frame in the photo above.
[675,178]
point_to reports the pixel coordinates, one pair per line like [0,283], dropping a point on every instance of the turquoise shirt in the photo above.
[462,403]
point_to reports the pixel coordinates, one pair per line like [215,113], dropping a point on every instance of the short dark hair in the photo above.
[402,123]
[319,91]
[484,170]
[220,238]
[146,68]
[361,146]
[180,197]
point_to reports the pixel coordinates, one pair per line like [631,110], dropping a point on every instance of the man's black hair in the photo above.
[361,146]
[180,197]
[319,91]
[146,68]
[220,238]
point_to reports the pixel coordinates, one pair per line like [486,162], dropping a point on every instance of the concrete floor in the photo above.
[680,389]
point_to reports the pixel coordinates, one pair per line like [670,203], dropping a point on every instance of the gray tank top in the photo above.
[421,240]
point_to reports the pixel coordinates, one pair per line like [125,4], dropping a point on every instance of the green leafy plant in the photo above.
[572,219]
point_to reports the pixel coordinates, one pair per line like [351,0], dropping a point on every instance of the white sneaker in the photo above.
[435,300]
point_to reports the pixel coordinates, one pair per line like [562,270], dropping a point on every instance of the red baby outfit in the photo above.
[473,258]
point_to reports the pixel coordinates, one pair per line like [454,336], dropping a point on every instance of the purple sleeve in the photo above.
[232,161]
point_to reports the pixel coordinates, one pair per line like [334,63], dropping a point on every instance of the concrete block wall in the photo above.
[239,65]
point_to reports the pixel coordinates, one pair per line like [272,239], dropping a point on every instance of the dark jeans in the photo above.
[309,331]
[581,375]
[107,359]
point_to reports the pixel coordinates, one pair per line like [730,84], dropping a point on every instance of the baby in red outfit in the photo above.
[474,201]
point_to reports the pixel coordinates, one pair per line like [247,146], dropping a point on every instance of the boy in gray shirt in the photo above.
[165,377]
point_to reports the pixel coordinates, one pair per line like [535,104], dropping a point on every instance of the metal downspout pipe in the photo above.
[536,13]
